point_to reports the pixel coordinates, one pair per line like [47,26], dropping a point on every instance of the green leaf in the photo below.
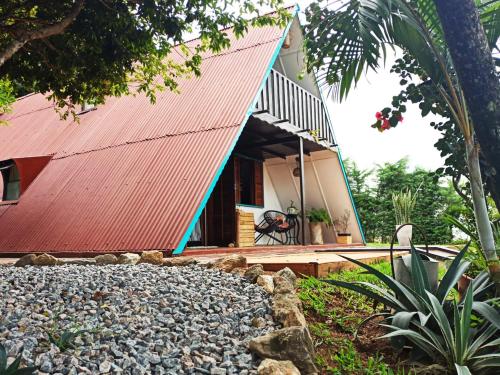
[3,358]
[487,312]
[462,370]
[405,294]
[456,269]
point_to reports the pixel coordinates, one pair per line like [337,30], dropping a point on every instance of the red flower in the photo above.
[378,115]
[400,118]
[386,125]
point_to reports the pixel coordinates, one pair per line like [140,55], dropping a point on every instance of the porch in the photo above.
[285,156]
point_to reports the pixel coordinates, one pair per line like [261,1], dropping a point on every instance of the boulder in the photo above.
[179,261]
[282,285]
[266,282]
[253,272]
[45,260]
[288,298]
[287,344]
[152,257]
[288,274]
[287,310]
[106,259]
[129,258]
[27,260]
[230,262]
[273,367]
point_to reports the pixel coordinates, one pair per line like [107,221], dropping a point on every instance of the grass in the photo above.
[334,314]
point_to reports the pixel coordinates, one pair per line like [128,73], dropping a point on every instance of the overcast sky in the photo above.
[366,146]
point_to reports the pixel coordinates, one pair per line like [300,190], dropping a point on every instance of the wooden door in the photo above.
[221,210]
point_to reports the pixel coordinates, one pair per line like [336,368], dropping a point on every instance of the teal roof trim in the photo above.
[187,235]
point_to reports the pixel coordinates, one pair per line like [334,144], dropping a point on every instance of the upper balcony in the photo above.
[285,104]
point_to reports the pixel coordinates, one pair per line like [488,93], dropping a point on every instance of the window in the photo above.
[249,181]
[11,181]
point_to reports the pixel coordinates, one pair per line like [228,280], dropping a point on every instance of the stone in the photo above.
[253,272]
[179,261]
[153,319]
[240,271]
[128,258]
[45,260]
[105,367]
[258,322]
[287,344]
[287,310]
[27,260]
[106,259]
[288,274]
[230,262]
[81,262]
[266,282]
[282,285]
[273,367]
[152,257]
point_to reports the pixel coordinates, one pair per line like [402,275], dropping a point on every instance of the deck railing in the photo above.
[289,103]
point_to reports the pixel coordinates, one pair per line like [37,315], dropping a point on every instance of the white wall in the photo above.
[324,188]
[271,201]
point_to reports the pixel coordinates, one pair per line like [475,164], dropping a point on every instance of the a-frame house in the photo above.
[246,137]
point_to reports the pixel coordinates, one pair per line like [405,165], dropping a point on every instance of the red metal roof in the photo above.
[131,175]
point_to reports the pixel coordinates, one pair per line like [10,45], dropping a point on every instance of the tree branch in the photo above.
[45,32]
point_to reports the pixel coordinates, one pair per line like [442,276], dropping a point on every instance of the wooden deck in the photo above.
[312,260]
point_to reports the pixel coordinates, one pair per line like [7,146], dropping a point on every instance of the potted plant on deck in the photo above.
[344,237]
[404,203]
[316,217]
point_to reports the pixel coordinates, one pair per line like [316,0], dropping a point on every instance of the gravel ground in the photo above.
[139,319]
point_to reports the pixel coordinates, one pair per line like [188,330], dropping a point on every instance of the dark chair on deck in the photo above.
[275,225]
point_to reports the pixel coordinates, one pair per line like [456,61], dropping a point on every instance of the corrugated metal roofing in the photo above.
[130,176]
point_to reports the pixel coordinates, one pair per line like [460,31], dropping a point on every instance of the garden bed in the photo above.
[333,315]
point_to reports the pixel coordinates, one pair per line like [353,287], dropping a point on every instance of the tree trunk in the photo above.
[477,75]
[483,224]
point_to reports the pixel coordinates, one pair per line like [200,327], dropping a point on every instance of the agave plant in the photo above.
[468,351]
[414,309]
[13,368]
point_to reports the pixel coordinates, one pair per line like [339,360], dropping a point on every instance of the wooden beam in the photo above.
[279,155]
[274,141]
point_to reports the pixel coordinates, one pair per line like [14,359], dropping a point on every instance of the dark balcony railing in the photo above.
[289,103]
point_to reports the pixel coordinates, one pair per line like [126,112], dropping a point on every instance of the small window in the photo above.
[249,182]
[11,181]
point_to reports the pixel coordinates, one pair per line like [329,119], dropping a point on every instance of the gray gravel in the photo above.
[136,319]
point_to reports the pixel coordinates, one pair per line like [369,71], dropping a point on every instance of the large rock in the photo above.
[129,258]
[288,298]
[287,344]
[282,285]
[266,282]
[273,367]
[152,257]
[288,274]
[253,272]
[287,309]
[106,259]
[179,261]
[230,262]
[45,260]
[27,260]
